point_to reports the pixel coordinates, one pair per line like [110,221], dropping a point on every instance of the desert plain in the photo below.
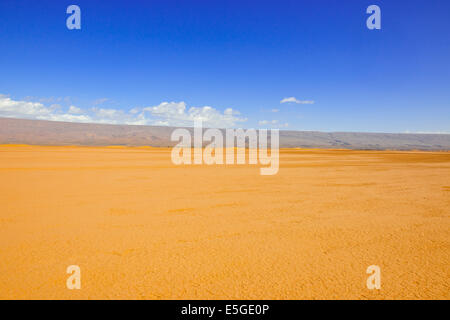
[140,227]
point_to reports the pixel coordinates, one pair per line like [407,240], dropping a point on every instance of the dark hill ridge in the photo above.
[41,132]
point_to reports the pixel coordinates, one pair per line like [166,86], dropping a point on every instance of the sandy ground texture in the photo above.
[142,228]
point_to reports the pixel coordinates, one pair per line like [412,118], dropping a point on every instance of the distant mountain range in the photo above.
[41,132]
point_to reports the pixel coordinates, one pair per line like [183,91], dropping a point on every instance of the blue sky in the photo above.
[231,62]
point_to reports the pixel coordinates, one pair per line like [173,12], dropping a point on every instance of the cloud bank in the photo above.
[164,114]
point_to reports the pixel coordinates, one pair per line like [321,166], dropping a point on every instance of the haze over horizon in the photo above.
[44,132]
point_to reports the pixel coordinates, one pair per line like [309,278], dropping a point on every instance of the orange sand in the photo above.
[141,228]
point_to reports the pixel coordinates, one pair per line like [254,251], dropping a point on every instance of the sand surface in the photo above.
[142,228]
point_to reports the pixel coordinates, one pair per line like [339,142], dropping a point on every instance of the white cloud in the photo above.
[10,108]
[107,113]
[75,110]
[25,109]
[67,118]
[295,100]
[164,114]
[273,124]
[275,110]
[134,110]
[177,114]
